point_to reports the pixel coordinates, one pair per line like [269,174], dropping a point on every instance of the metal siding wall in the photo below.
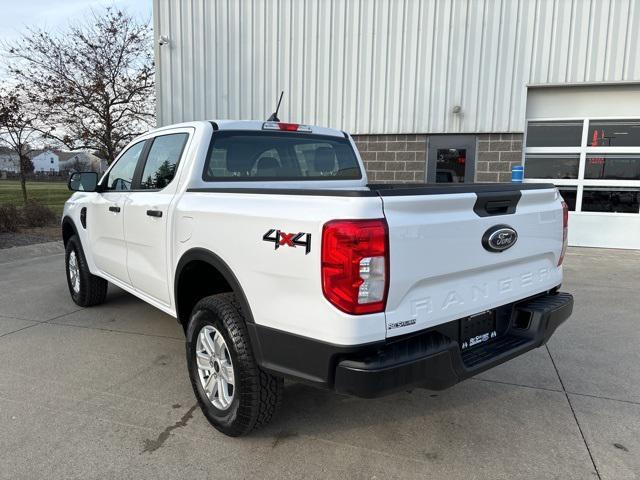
[385,66]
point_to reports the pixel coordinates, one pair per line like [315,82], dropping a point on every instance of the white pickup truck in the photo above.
[268,245]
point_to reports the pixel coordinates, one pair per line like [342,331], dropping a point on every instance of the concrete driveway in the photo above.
[104,393]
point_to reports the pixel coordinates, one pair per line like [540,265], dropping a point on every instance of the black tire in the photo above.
[92,290]
[257,394]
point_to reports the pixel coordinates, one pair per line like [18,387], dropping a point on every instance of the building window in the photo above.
[609,166]
[608,199]
[552,165]
[614,133]
[554,134]
[599,173]
[450,165]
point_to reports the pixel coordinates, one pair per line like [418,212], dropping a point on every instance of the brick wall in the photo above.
[497,153]
[393,158]
[403,158]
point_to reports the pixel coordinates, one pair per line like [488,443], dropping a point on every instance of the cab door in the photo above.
[105,216]
[148,215]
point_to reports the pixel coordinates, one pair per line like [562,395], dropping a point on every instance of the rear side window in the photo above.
[235,156]
[162,161]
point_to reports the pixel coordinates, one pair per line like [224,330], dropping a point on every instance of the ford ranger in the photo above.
[266,242]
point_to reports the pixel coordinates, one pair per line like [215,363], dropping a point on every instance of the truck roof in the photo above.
[250,125]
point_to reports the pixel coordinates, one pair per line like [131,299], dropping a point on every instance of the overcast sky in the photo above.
[53,15]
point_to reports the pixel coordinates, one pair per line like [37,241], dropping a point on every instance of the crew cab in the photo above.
[269,246]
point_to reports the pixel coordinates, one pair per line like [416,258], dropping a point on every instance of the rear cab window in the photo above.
[260,155]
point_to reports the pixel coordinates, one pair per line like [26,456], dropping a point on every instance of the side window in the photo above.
[162,161]
[121,175]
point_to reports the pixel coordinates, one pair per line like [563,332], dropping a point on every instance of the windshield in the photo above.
[240,155]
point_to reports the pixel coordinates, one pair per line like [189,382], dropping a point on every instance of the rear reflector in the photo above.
[565,231]
[355,265]
[287,127]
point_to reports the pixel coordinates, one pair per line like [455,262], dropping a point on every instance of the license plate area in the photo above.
[477,329]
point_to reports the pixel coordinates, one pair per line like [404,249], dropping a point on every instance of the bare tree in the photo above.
[79,165]
[95,80]
[19,127]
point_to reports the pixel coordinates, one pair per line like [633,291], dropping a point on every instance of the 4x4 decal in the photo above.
[282,239]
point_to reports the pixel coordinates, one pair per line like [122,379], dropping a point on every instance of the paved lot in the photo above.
[103,393]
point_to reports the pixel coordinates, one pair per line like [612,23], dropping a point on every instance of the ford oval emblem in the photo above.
[499,238]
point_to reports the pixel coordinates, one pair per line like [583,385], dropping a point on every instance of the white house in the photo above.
[8,161]
[53,161]
[45,161]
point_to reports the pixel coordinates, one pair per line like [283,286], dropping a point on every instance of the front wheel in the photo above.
[85,288]
[235,395]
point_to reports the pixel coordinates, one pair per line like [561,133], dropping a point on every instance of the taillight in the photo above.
[355,265]
[565,231]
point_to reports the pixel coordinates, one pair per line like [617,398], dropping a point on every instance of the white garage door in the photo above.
[586,140]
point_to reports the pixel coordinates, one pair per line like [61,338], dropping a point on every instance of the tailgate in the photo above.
[439,268]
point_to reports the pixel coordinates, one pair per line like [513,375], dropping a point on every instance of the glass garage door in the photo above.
[595,162]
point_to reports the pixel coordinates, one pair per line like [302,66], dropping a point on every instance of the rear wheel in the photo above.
[235,395]
[85,288]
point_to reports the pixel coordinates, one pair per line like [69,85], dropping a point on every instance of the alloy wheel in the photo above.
[215,367]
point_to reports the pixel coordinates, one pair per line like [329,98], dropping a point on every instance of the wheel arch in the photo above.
[198,262]
[68,229]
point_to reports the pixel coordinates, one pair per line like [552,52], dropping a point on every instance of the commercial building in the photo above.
[433,90]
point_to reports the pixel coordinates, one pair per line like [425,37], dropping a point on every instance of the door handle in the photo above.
[154,213]
[114,209]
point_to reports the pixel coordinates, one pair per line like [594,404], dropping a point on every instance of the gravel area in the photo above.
[8,240]
[29,236]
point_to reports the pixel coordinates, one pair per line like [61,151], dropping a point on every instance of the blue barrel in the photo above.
[517,174]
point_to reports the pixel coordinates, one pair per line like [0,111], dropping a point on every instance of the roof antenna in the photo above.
[274,115]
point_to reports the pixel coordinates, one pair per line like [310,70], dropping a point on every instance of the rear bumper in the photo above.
[434,360]
[430,359]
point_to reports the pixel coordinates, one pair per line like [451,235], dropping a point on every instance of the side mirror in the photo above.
[83,182]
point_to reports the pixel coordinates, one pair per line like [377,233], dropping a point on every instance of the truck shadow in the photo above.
[307,410]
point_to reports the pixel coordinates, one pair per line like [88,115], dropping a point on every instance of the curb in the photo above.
[13,254]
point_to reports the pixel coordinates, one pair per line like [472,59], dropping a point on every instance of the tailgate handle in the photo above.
[497,207]
[489,204]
